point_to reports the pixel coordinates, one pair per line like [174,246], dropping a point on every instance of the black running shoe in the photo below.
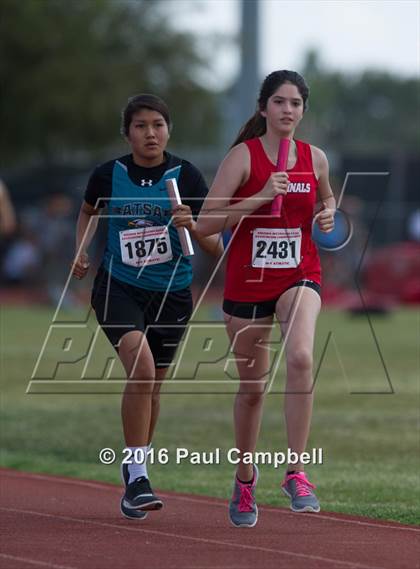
[139,495]
[127,512]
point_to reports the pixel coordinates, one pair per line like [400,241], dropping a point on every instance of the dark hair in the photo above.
[139,102]
[257,126]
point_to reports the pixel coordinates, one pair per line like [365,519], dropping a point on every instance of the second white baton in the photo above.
[183,233]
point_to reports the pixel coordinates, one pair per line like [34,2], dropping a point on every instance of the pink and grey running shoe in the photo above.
[299,490]
[243,511]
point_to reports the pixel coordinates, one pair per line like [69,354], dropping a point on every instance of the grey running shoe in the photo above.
[243,511]
[299,490]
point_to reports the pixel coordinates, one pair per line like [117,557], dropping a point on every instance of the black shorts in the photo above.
[252,310]
[122,308]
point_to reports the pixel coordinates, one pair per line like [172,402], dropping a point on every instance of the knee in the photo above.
[252,398]
[300,360]
[141,380]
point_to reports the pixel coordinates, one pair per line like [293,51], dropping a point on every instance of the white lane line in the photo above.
[288,512]
[218,542]
[33,562]
[104,486]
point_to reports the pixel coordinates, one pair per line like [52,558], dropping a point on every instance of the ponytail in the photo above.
[256,126]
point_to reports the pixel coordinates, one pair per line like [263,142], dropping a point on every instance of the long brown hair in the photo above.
[257,124]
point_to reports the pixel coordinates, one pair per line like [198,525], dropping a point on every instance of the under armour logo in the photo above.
[146,182]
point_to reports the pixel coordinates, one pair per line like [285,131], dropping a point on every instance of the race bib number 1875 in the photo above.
[276,248]
[145,246]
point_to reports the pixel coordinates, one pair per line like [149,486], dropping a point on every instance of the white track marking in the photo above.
[104,486]
[218,542]
[34,562]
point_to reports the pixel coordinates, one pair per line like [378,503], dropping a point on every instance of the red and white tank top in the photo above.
[268,254]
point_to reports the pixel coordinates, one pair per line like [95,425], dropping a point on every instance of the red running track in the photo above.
[62,523]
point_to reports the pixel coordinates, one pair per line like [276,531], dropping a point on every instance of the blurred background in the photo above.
[67,70]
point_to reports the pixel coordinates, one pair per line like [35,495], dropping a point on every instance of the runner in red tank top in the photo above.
[249,256]
[273,269]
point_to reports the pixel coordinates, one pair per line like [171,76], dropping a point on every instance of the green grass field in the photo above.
[369,434]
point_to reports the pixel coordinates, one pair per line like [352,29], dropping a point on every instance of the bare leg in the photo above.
[136,407]
[297,311]
[160,374]
[252,360]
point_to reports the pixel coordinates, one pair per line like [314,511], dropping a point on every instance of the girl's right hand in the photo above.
[80,266]
[276,185]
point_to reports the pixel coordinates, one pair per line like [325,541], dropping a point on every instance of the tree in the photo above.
[67,68]
[370,112]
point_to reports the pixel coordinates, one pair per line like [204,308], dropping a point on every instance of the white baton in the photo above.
[183,233]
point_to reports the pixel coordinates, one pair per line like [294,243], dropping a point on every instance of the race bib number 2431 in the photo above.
[276,248]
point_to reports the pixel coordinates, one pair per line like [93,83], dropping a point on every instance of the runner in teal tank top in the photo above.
[141,294]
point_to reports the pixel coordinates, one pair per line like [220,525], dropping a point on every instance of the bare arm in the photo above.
[212,244]
[325,218]
[217,214]
[85,231]
[7,213]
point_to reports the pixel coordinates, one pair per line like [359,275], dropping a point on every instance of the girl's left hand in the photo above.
[182,217]
[325,219]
